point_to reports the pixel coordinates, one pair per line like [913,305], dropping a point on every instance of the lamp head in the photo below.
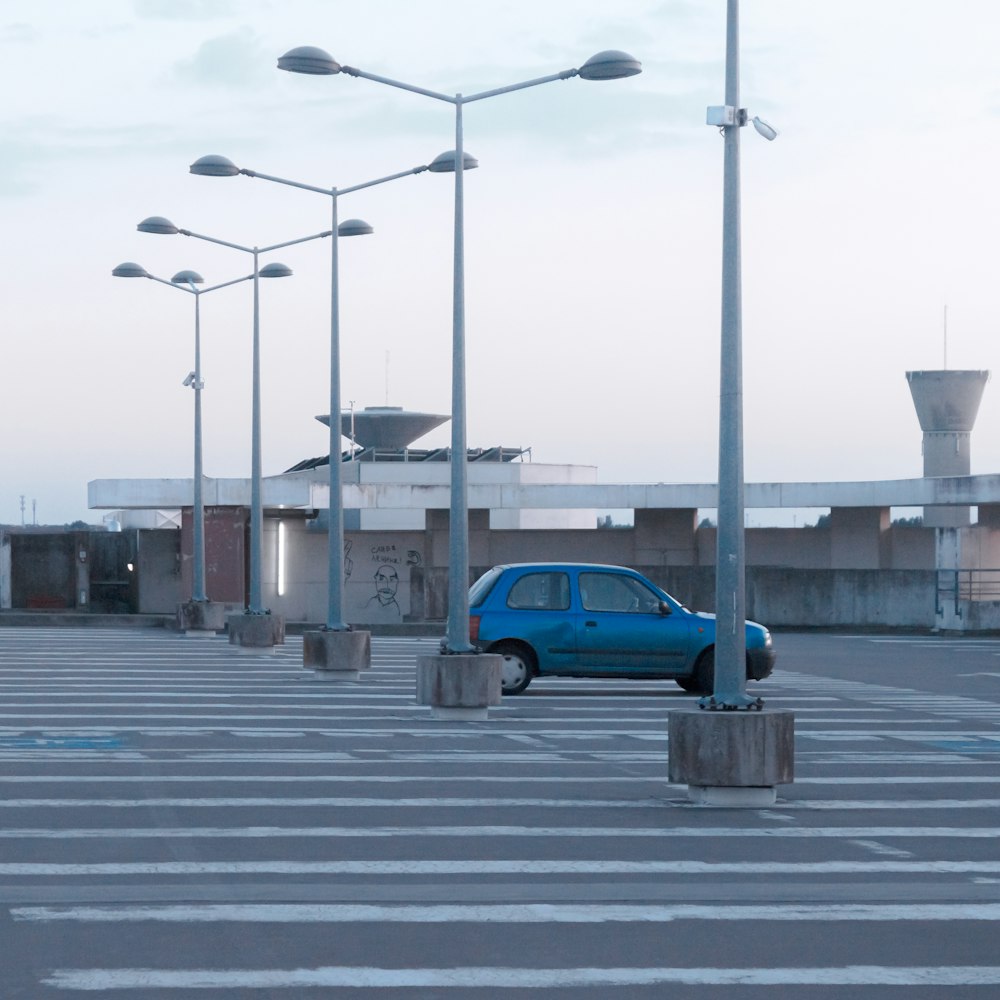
[274,270]
[309,59]
[611,64]
[157,224]
[187,278]
[763,128]
[445,163]
[354,227]
[214,165]
[130,269]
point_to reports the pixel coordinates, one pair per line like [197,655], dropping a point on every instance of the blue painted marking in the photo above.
[976,745]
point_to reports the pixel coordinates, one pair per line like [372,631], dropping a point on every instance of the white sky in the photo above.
[593,231]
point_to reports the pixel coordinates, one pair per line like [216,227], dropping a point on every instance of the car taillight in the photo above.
[473,628]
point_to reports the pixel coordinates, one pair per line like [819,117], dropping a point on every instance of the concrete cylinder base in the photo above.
[455,685]
[733,798]
[731,758]
[256,633]
[460,714]
[337,656]
[201,618]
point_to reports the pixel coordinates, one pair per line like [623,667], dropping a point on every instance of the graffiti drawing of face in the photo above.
[386,583]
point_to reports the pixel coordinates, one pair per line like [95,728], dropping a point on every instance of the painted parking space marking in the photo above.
[488,867]
[367,977]
[503,913]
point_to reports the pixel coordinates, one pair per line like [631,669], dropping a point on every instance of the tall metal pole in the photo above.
[335,589]
[256,606]
[730,587]
[457,634]
[198,528]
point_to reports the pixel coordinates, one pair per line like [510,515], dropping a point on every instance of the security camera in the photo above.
[189,380]
[769,132]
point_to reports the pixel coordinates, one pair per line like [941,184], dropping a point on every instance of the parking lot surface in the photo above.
[179,819]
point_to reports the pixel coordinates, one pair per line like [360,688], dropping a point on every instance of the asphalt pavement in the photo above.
[179,819]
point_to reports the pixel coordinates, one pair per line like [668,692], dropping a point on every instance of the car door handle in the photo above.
[590,624]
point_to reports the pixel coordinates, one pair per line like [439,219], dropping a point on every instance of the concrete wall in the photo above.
[4,570]
[158,571]
[885,577]
[225,554]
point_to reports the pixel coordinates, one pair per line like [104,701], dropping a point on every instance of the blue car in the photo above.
[588,620]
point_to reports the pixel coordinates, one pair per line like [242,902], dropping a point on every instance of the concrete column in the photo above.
[256,633]
[857,537]
[201,619]
[666,537]
[459,686]
[732,758]
[336,656]
[947,563]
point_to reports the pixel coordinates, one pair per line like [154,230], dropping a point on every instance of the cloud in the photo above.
[235,60]
[18,32]
[183,10]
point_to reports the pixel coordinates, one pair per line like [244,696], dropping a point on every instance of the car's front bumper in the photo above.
[760,662]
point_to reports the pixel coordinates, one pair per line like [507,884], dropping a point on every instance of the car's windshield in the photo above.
[480,590]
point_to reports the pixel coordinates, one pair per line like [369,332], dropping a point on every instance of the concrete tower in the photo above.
[947,403]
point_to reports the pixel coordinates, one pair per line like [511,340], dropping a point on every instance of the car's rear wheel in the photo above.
[687,683]
[518,666]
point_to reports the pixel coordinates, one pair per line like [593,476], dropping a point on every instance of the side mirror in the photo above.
[665,608]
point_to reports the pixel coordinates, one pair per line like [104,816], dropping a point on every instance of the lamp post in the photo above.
[731,757]
[187,281]
[606,65]
[158,224]
[730,587]
[221,166]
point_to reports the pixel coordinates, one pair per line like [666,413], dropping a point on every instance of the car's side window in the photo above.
[614,592]
[540,592]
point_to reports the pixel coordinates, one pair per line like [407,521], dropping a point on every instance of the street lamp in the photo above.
[608,65]
[730,586]
[187,281]
[220,166]
[158,224]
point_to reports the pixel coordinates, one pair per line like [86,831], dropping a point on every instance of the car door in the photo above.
[622,629]
[537,611]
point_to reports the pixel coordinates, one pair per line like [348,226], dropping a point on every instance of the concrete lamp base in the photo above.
[256,633]
[732,759]
[201,618]
[459,686]
[337,656]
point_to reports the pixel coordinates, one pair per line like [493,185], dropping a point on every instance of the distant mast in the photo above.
[945,338]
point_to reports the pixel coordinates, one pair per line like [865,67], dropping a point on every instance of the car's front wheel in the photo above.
[518,666]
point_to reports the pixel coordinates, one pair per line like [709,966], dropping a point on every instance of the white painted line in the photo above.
[656,779]
[366,977]
[511,867]
[255,802]
[520,913]
[667,834]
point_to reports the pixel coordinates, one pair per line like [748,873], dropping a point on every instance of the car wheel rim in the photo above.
[514,671]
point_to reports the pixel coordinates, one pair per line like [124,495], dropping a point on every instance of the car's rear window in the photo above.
[480,590]
[540,592]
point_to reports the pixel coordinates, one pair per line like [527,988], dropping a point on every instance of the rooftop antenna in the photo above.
[22,510]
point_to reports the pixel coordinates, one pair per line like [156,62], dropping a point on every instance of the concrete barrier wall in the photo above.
[824,598]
